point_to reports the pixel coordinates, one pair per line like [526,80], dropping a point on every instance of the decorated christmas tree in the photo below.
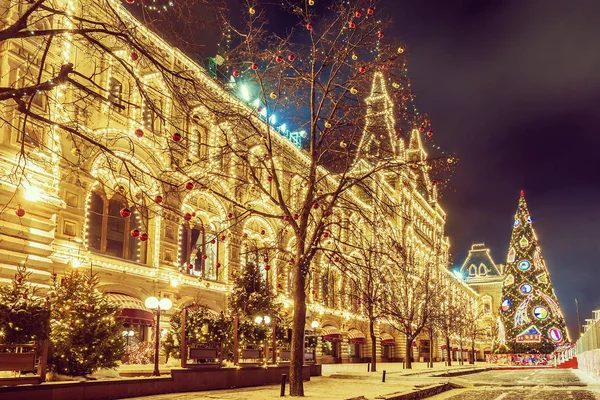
[24,316]
[85,335]
[531,320]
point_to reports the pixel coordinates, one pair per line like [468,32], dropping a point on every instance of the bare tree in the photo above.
[342,136]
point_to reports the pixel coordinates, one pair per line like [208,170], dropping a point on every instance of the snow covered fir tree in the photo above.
[531,320]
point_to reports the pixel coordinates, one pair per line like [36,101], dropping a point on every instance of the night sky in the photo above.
[513,88]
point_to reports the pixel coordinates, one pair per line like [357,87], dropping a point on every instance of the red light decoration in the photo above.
[20,212]
[176,137]
[291,57]
[351,25]
[138,132]
[370,11]
[134,56]
[255,66]
[187,216]
[235,73]
[143,236]
[125,212]
[278,58]
[309,27]
[135,232]
[189,185]
[158,199]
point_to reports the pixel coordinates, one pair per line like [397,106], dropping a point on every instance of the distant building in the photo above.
[484,276]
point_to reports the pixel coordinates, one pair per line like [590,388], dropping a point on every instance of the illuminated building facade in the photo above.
[73,197]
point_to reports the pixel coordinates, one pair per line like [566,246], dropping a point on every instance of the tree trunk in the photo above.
[373,346]
[431,349]
[472,354]
[297,348]
[448,351]
[409,343]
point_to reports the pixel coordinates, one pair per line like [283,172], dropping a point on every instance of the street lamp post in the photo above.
[266,320]
[155,304]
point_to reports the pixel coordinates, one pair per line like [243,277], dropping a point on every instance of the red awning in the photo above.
[331,334]
[443,347]
[133,311]
[356,337]
[387,339]
[455,348]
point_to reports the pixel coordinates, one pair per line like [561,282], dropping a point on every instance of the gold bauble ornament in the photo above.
[400,50]
[343,144]
[354,57]
[396,85]
[252,11]
[273,95]
[327,124]
[311,2]
[353,91]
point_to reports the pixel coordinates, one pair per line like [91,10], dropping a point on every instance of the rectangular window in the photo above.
[71,199]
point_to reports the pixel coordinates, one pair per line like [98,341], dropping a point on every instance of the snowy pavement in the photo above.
[342,381]
[540,384]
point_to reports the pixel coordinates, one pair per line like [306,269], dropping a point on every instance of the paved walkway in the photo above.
[342,381]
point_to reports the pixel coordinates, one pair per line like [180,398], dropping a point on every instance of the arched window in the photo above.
[482,270]
[201,249]
[110,233]
[472,270]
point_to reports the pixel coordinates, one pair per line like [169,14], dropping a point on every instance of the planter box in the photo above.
[17,361]
[251,354]
[204,354]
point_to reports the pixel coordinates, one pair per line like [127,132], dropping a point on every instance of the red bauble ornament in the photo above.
[267,267]
[336,259]
[190,266]
[259,109]
[139,133]
[133,56]
[291,57]
[176,137]
[125,212]
[223,237]
[135,232]
[189,185]
[88,307]
[326,234]
[362,69]
[255,66]
[187,216]
[20,212]
[433,183]
[380,35]
[422,129]
[279,286]
[309,27]
[351,25]
[405,97]
[278,58]
[218,265]
[193,214]
[357,14]
[269,178]
[296,216]
[430,133]
[316,205]
[286,218]
[204,256]
[235,73]
[262,232]
[19,279]
[370,11]
[25,296]
[313,292]
[143,236]
[130,1]
[244,235]
[158,199]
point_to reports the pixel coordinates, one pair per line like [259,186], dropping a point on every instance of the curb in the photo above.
[418,393]
[460,373]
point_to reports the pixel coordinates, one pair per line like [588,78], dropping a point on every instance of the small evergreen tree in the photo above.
[24,316]
[85,335]
[251,297]
[202,326]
